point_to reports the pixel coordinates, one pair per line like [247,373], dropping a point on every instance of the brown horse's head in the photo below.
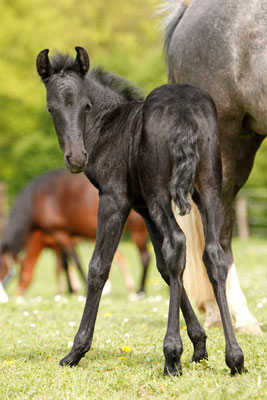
[67,102]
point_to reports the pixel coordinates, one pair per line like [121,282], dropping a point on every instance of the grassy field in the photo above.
[36,332]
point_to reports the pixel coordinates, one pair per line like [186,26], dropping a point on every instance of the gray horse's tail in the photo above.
[184,154]
[173,11]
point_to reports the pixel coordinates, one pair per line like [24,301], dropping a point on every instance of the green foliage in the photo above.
[121,36]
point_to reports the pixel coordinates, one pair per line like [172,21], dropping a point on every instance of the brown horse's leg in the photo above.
[140,239]
[34,246]
[59,268]
[62,265]
[66,243]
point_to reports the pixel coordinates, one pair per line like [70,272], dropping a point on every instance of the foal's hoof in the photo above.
[71,359]
[172,369]
[239,370]
[198,356]
[235,361]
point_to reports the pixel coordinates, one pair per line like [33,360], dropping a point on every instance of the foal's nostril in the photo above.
[85,155]
[68,156]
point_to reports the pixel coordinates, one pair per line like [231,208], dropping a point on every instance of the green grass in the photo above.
[35,332]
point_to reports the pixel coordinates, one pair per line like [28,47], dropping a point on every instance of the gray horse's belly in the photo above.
[208,48]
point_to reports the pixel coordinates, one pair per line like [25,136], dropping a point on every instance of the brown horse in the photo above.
[56,210]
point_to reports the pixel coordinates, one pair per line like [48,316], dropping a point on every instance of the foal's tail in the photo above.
[184,153]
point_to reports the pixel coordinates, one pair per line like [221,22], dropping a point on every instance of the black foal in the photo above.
[142,154]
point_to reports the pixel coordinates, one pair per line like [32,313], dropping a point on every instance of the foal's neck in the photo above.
[103,100]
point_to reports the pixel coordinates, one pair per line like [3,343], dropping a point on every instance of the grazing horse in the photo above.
[55,210]
[221,46]
[142,154]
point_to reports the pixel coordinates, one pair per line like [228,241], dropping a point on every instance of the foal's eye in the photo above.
[50,110]
[88,107]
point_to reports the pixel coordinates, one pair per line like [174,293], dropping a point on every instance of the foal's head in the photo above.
[67,102]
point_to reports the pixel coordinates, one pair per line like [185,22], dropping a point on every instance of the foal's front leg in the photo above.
[111,219]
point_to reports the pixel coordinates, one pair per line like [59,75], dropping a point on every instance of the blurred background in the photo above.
[121,36]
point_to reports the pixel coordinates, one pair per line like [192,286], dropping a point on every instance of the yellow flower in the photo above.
[121,358]
[126,349]
[143,326]
[9,362]
[107,315]
[184,327]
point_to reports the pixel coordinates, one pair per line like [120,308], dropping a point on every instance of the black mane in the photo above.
[120,85]
[64,63]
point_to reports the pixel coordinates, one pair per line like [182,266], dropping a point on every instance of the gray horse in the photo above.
[222,47]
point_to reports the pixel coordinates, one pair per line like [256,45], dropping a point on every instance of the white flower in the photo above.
[259,305]
[70,344]
[108,341]
[125,320]
[155,309]
[127,335]
[33,325]
[19,341]
[80,298]
[57,297]
[71,323]
[25,313]
[20,300]
[39,299]
[35,311]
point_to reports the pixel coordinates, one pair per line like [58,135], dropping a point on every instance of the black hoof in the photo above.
[172,369]
[199,355]
[241,370]
[141,294]
[71,359]
[235,361]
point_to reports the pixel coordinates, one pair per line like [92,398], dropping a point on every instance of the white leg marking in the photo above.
[3,295]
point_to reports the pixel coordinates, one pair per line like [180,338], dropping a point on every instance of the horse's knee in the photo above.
[215,262]
[97,276]
[173,250]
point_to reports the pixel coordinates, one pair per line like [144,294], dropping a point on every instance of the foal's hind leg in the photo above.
[209,203]
[195,331]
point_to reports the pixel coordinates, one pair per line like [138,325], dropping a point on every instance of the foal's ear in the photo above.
[82,59]
[43,65]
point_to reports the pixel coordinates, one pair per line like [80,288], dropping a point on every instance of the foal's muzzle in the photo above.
[75,158]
